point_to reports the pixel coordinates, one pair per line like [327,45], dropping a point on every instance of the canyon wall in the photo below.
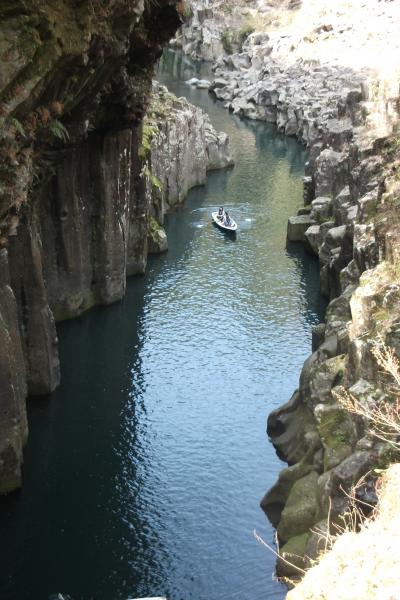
[83,191]
[179,147]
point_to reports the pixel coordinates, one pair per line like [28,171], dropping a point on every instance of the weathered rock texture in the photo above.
[220,27]
[180,145]
[328,74]
[77,195]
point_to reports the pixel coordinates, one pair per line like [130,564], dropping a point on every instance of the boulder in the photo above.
[350,471]
[292,430]
[321,209]
[340,205]
[301,509]
[313,238]
[203,84]
[331,173]
[338,433]
[323,377]
[218,84]
[217,148]
[297,227]
[317,541]
[292,559]
[366,249]
[275,499]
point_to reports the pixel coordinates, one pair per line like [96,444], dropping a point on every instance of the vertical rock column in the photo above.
[36,321]
[94,224]
[13,423]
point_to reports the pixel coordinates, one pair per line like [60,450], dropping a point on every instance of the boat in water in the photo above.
[222,224]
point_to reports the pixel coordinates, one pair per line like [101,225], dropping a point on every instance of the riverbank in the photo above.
[328,75]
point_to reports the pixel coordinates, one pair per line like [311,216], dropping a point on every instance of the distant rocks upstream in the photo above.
[180,146]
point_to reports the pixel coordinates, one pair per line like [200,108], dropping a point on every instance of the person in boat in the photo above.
[221,213]
[227,219]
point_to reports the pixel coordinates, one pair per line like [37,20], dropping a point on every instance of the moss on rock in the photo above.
[156,237]
[337,431]
[293,560]
[302,508]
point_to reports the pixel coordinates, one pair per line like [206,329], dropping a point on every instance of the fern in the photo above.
[155,182]
[59,130]
[19,128]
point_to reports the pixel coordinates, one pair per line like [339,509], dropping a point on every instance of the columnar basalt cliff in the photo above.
[329,76]
[179,147]
[220,27]
[78,201]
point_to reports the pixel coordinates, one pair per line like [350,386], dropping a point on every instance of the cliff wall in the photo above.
[177,153]
[78,200]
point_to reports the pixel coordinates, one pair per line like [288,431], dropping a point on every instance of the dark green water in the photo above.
[144,470]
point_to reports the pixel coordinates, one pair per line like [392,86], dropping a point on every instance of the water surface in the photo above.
[144,471]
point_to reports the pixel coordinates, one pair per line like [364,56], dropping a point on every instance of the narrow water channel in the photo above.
[144,471]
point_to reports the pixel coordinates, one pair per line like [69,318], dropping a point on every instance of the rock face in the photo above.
[182,146]
[220,27]
[179,147]
[329,449]
[78,198]
[74,85]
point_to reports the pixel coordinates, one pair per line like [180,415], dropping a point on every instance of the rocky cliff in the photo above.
[179,146]
[81,185]
[219,28]
[329,76]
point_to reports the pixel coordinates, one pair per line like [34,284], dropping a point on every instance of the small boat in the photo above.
[221,223]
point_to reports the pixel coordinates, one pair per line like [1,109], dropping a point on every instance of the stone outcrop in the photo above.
[74,86]
[79,202]
[180,146]
[220,27]
[353,232]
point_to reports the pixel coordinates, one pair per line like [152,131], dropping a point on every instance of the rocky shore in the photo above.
[84,183]
[329,76]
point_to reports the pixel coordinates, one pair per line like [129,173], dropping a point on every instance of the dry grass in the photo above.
[364,565]
[383,416]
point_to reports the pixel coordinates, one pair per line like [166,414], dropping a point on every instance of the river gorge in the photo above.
[164,387]
[145,469]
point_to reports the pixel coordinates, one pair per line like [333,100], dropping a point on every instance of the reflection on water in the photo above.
[144,470]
